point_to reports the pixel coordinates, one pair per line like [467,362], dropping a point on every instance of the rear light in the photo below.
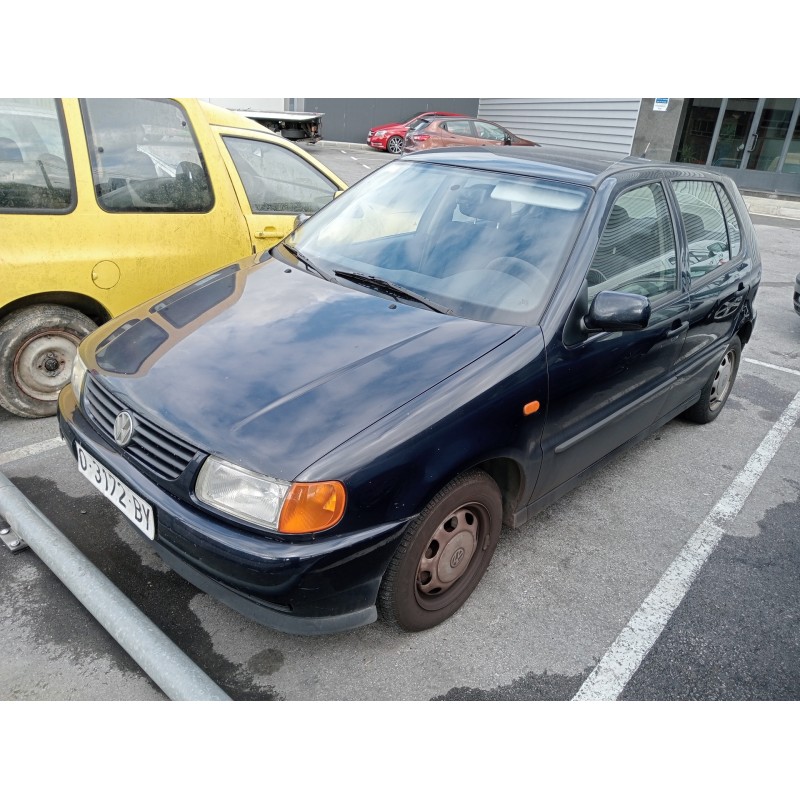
[421,137]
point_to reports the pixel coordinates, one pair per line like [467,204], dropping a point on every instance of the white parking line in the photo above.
[772,366]
[30,450]
[618,665]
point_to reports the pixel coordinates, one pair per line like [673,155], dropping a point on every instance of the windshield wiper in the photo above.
[392,289]
[308,263]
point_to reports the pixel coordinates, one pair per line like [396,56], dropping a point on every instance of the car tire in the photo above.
[443,555]
[37,349]
[718,387]
[395,145]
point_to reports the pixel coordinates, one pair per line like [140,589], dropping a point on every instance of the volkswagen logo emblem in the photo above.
[123,428]
[457,556]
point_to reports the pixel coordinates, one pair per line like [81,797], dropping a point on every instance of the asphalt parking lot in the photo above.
[669,575]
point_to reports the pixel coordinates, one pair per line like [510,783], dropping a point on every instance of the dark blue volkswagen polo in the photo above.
[341,427]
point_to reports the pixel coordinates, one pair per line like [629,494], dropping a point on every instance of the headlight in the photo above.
[270,503]
[380,133]
[78,376]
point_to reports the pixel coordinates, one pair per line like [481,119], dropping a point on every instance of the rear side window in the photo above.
[636,252]
[460,127]
[34,173]
[144,157]
[734,233]
[704,223]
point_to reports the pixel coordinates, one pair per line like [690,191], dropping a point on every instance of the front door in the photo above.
[605,388]
[275,185]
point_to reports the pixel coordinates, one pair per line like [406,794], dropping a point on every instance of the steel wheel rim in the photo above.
[723,380]
[44,364]
[395,145]
[451,555]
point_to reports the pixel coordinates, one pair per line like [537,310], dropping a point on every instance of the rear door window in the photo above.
[144,157]
[460,127]
[704,224]
[34,171]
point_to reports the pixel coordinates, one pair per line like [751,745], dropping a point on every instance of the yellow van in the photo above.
[107,202]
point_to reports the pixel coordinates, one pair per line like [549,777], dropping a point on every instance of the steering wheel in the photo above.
[595,276]
[519,269]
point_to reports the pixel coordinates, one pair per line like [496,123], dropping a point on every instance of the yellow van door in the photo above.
[276,181]
[159,208]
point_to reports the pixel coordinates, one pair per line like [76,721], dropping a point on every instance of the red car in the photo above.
[460,132]
[390,137]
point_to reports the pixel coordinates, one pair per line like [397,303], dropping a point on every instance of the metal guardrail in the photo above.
[168,666]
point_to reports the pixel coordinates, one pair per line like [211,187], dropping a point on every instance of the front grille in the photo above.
[162,453]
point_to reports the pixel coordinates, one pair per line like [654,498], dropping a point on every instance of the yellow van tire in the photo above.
[37,348]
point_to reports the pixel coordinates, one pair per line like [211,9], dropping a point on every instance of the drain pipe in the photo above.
[171,669]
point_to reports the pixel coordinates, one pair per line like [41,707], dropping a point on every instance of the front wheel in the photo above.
[37,349]
[395,145]
[718,387]
[443,555]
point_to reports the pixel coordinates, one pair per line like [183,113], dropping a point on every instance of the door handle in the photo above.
[268,233]
[753,145]
[678,329]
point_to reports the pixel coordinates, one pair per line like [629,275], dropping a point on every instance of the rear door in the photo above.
[720,272]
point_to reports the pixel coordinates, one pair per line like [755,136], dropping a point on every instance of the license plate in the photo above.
[138,511]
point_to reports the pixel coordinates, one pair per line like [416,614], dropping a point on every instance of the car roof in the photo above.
[587,167]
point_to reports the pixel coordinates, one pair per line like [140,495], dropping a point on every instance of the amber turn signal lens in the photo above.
[530,408]
[311,507]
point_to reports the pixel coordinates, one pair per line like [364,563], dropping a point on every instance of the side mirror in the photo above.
[617,311]
[300,219]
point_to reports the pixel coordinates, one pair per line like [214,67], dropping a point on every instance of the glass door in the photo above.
[754,140]
[733,134]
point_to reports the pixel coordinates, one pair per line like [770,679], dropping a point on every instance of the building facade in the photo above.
[754,140]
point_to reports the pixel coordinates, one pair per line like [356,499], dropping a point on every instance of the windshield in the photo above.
[482,245]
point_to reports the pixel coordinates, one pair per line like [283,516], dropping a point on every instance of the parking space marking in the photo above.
[615,669]
[30,450]
[772,366]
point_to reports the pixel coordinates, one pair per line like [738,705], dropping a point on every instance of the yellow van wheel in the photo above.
[37,348]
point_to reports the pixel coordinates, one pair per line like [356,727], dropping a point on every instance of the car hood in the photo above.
[272,368]
[388,125]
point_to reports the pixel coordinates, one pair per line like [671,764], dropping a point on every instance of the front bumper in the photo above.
[326,585]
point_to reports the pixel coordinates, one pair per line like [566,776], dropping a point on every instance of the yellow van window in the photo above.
[276,180]
[34,175]
[144,157]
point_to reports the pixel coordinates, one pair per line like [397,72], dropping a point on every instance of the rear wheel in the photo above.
[395,145]
[444,554]
[718,388]
[37,349]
